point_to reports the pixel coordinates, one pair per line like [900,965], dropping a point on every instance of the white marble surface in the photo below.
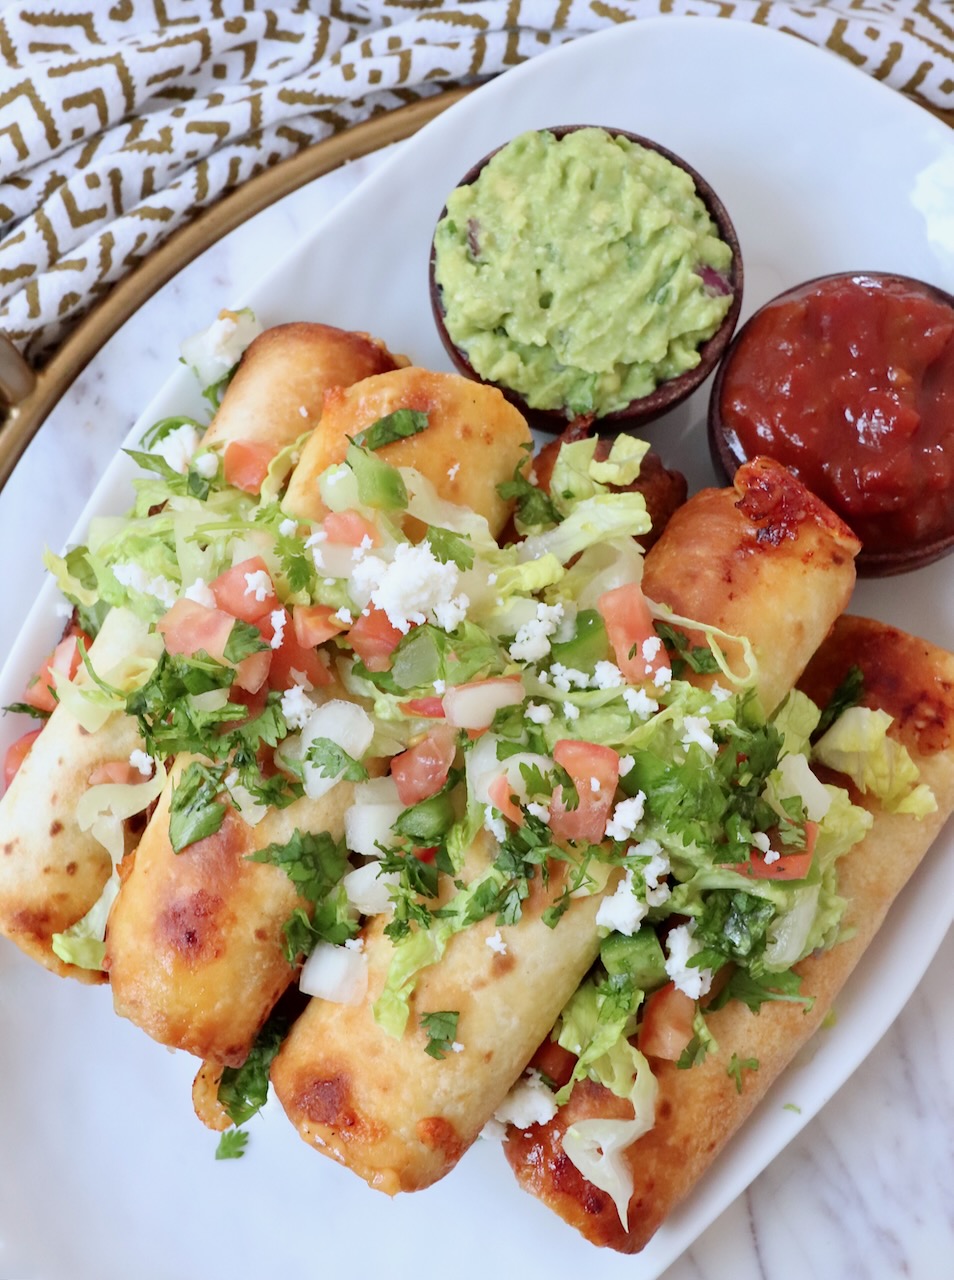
[867,1189]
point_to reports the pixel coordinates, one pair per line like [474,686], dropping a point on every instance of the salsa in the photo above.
[849,381]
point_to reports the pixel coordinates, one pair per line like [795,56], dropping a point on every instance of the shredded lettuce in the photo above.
[102,810]
[857,744]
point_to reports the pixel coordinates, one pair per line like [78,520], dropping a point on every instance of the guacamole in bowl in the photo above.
[588,273]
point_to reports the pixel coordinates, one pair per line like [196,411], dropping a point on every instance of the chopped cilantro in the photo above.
[313,861]
[416,879]
[737,1065]
[534,509]
[244,640]
[449,546]
[195,811]
[441,1031]
[243,1090]
[232,1145]
[332,761]
[849,693]
[393,426]
[755,991]
[701,1044]
[698,658]
[24,709]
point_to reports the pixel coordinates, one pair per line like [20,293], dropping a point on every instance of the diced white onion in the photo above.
[473,706]
[368,891]
[369,825]
[377,791]
[335,973]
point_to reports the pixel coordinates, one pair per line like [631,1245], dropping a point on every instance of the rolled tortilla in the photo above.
[51,873]
[194,940]
[699,1110]
[278,390]
[378,1104]
[474,439]
[51,870]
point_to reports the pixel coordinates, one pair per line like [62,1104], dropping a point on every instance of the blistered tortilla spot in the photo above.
[9,847]
[502,964]
[71,868]
[327,1101]
[488,1055]
[437,1133]
[34,922]
[56,827]
[188,926]
[261,934]
[664,1110]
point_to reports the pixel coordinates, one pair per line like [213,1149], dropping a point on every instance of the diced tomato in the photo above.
[120,771]
[245,464]
[555,1062]
[629,625]
[315,623]
[789,866]
[232,594]
[349,528]
[666,1027]
[374,639]
[65,660]
[189,627]
[428,854]
[292,660]
[422,770]
[429,708]
[586,763]
[17,752]
[501,797]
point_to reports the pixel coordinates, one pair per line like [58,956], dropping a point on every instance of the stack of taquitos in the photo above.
[766,559]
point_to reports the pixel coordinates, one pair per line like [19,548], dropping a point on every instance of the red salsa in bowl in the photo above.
[849,381]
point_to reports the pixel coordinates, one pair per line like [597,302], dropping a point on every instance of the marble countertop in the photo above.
[867,1189]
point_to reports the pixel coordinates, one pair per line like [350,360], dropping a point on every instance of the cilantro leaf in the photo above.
[416,879]
[195,810]
[737,1065]
[698,658]
[449,546]
[534,509]
[244,640]
[441,1030]
[232,1145]
[243,1090]
[849,693]
[754,991]
[25,709]
[332,761]
[313,861]
[393,426]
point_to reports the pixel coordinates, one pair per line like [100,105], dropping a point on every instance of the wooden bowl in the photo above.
[893,554]
[667,394]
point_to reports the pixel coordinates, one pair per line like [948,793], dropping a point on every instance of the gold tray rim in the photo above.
[23,420]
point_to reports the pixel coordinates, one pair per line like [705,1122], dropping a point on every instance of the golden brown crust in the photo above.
[289,368]
[51,871]
[699,1110]
[194,941]
[471,428]
[765,559]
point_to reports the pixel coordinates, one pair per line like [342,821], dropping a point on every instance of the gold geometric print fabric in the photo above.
[119,120]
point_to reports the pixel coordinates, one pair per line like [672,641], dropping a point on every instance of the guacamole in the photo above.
[581,271]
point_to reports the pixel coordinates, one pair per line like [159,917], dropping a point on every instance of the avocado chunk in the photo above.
[639,958]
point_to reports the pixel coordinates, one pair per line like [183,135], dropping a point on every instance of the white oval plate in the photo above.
[104,1171]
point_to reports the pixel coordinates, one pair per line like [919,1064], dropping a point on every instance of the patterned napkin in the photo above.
[119,120]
